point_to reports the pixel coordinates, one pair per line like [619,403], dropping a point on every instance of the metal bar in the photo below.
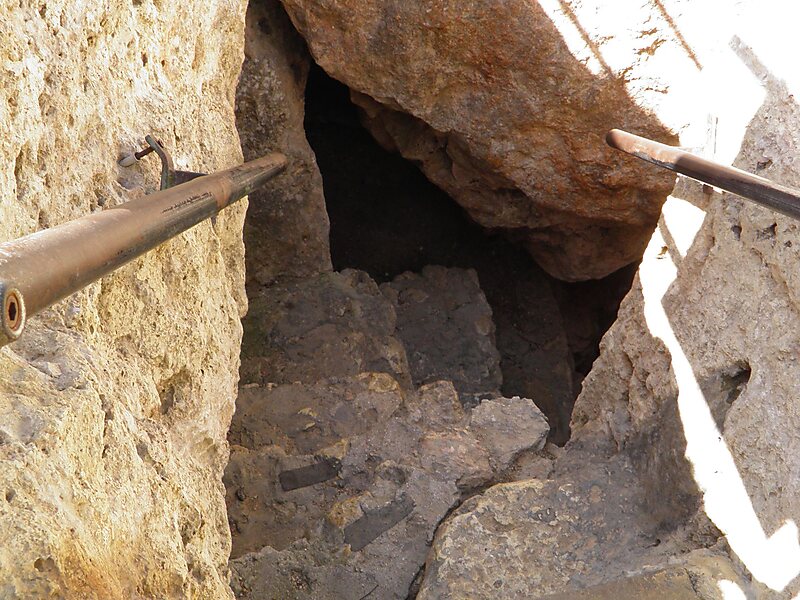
[782,199]
[44,267]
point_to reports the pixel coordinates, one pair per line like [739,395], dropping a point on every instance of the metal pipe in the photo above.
[44,267]
[782,199]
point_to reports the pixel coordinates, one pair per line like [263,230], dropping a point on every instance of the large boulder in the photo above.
[490,102]
[116,402]
[582,532]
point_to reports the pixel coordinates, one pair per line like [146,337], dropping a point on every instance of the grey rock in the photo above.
[506,426]
[404,460]
[286,230]
[696,577]
[585,528]
[331,325]
[446,327]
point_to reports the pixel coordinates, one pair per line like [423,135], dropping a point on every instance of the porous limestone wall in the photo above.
[115,404]
[698,378]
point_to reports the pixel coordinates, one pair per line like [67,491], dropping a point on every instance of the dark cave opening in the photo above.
[386,218]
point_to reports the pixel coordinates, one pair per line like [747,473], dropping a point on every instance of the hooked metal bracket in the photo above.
[169,176]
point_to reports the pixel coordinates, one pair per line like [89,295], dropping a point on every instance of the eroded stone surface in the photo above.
[117,400]
[733,311]
[372,491]
[697,578]
[474,93]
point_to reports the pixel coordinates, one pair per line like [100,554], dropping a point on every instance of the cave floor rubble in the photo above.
[373,456]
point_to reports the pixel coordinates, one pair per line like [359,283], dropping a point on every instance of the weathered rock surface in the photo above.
[363,475]
[578,529]
[475,94]
[732,313]
[446,327]
[286,230]
[332,325]
[697,578]
[116,402]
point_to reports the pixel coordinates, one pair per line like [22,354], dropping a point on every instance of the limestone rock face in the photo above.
[730,315]
[286,230]
[489,101]
[116,402]
[698,378]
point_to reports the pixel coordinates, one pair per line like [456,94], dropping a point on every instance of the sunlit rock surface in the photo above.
[116,402]
[697,380]
[731,319]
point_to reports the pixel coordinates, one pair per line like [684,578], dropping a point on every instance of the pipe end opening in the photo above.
[13,316]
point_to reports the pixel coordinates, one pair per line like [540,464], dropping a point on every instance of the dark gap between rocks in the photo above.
[387,218]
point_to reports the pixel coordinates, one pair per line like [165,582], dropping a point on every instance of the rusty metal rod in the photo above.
[782,199]
[42,268]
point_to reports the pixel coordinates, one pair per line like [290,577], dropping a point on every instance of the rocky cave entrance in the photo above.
[390,361]
[387,219]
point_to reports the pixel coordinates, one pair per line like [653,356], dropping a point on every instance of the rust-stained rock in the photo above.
[489,101]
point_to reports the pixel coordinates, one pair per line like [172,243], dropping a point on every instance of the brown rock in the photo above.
[489,101]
